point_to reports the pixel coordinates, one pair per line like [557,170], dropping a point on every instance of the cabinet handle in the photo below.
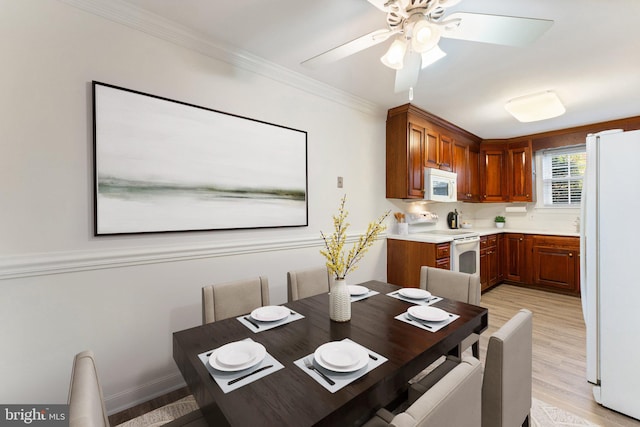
[570,255]
[521,239]
[485,196]
[527,196]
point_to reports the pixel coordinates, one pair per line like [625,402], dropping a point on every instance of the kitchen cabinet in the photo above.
[493,173]
[465,165]
[516,268]
[520,174]
[405,257]
[416,139]
[556,263]
[490,261]
[506,172]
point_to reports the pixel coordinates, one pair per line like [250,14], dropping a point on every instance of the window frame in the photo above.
[539,177]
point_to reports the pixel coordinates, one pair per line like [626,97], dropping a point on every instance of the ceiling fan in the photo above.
[418,25]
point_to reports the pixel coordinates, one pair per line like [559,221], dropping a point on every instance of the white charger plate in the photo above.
[270,313]
[414,293]
[237,356]
[341,356]
[357,290]
[428,313]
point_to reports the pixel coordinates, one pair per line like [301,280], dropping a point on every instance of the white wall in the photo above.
[62,290]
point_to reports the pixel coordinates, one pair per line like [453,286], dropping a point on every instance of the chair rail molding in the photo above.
[41,264]
[152,24]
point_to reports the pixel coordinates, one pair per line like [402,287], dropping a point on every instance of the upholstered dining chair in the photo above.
[457,286]
[506,386]
[453,400]
[86,401]
[230,299]
[308,282]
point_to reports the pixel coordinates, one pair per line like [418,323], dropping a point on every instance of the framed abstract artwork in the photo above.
[164,166]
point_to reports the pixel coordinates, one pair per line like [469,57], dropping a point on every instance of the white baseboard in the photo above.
[129,398]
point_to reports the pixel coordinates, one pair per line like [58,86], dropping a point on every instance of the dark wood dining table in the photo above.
[289,396]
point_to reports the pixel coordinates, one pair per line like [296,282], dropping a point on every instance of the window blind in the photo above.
[562,173]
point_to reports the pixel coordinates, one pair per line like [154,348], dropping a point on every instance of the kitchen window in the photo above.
[561,178]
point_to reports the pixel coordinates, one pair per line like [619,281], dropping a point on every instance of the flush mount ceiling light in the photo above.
[539,106]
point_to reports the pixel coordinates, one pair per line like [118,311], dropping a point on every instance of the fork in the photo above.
[309,364]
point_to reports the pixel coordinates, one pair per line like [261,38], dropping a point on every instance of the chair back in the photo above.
[453,285]
[86,402]
[506,387]
[230,299]
[307,283]
[452,401]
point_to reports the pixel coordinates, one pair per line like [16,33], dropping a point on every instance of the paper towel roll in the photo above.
[516,209]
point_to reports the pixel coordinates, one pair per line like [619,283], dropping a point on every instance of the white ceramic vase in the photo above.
[500,224]
[340,301]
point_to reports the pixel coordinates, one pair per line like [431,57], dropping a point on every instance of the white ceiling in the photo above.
[590,56]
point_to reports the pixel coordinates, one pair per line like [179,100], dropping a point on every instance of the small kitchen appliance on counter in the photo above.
[453,219]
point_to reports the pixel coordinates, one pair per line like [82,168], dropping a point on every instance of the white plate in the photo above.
[357,290]
[428,313]
[270,313]
[237,356]
[414,293]
[341,356]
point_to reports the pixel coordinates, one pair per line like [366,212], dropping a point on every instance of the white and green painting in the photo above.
[163,165]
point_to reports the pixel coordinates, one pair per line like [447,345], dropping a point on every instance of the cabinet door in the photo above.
[460,162]
[430,152]
[555,267]
[484,270]
[416,171]
[473,175]
[515,264]
[520,182]
[493,175]
[445,152]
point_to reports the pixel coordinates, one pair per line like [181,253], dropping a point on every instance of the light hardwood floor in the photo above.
[559,361]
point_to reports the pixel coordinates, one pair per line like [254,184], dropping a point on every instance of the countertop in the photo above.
[434,238]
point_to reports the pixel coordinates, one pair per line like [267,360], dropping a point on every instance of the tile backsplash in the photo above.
[481,215]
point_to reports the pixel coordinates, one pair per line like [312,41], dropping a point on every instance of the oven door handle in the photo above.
[465,241]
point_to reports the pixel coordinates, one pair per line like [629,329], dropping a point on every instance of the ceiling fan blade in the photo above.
[349,48]
[496,29]
[379,4]
[407,76]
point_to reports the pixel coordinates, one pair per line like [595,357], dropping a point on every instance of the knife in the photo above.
[248,319]
[249,374]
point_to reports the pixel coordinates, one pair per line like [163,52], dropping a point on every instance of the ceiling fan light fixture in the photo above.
[425,36]
[432,55]
[394,58]
[539,106]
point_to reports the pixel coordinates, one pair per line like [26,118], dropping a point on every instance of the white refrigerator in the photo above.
[610,268]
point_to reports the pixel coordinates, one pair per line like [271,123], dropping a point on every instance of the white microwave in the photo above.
[440,186]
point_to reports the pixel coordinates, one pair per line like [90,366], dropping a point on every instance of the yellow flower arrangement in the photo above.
[337,263]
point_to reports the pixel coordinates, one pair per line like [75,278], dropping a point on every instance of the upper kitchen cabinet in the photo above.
[520,174]
[417,139]
[506,171]
[493,173]
[465,164]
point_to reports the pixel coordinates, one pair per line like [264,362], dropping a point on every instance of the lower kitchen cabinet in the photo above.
[516,267]
[490,260]
[405,257]
[556,263]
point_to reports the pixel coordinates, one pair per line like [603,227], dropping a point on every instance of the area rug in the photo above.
[542,415]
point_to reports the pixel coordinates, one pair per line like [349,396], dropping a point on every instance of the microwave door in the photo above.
[440,188]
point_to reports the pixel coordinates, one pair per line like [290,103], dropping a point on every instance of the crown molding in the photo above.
[139,19]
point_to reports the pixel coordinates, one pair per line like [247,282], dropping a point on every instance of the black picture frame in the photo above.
[162,165]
